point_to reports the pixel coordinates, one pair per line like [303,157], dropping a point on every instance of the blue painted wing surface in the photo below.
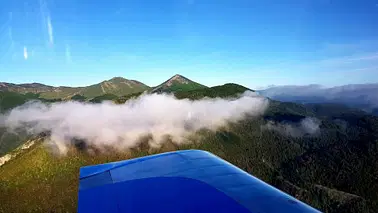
[181,181]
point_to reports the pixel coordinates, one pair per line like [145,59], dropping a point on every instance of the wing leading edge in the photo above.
[181,181]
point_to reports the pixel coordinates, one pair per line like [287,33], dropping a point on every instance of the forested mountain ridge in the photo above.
[116,86]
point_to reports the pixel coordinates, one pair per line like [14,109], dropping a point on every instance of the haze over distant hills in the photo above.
[362,96]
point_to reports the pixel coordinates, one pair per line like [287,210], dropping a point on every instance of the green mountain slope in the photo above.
[177,83]
[105,97]
[77,97]
[117,86]
[224,91]
[60,93]
[25,88]
[9,100]
[9,140]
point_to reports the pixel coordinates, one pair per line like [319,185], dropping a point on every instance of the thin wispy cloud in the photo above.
[350,59]
[50,29]
[119,11]
[307,126]
[46,21]
[330,71]
[372,68]
[25,53]
[368,60]
[349,48]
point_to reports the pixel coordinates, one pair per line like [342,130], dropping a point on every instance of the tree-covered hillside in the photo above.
[8,101]
[333,168]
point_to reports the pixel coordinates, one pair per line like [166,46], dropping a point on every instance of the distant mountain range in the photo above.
[362,96]
[117,86]
[12,95]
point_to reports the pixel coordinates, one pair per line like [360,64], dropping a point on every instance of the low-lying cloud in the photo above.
[122,126]
[308,125]
[362,96]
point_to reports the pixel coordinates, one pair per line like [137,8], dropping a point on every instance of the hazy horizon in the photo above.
[255,88]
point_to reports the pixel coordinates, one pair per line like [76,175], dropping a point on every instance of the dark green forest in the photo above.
[334,171]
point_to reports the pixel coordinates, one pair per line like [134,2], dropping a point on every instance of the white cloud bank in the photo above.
[121,126]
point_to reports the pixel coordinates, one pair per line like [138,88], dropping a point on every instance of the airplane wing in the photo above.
[180,181]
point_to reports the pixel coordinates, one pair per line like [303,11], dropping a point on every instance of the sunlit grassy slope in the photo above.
[117,86]
[335,172]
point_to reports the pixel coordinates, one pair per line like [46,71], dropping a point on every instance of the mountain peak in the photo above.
[178,76]
[177,79]
[177,83]
[117,78]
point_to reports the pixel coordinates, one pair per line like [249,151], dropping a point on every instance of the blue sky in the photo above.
[254,43]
